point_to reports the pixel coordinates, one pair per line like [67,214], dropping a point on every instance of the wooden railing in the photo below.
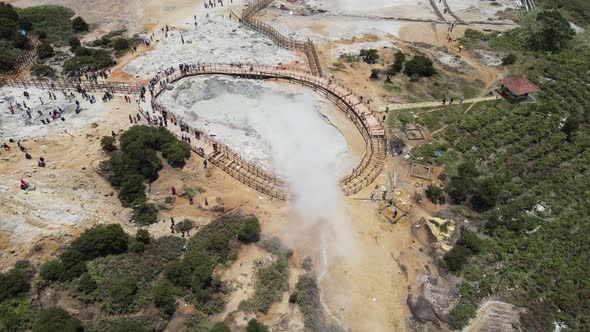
[306,47]
[264,181]
[64,84]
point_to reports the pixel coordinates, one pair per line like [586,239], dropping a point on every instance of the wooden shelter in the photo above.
[517,88]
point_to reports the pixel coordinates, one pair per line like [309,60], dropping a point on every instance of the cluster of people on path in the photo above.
[452,99]
[213,3]
[92,75]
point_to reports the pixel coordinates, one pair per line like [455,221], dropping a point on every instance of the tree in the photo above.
[553,34]
[176,153]
[127,325]
[398,65]
[25,24]
[57,320]
[8,12]
[122,293]
[8,59]
[101,240]
[165,296]
[79,25]
[121,44]
[456,258]
[220,327]
[485,195]
[375,73]
[571,126]
[52,270]
[185,226]
[42,71]
[45,51]
[13,283]
[420,66]
[108,143]
[435,194]
[21,42]
[7,28]
[256,326]
[250,231]
[145,214]
[369,56]
[132,189]
[73,264]
[74,43]
[143,236]
[509,59]
[86,284]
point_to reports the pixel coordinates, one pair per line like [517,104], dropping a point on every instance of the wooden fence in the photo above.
[64,84]
[26,60]
[307,47]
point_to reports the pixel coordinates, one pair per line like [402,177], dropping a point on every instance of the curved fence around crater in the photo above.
[256,175]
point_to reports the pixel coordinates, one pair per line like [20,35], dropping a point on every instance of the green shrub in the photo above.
[250,231]
[165,296]
[369,56]
[42,35]
[186,225]
[21,42]
[509,59]
[220,327]
[97,59]
[7,28]
[256,326]
[101,240]
[308,299]
[86,284]
[8,12]
[121,44]
[82,51]
[52,270]
[419,66]
[176,153]
[375,73]
[13,283]
[74,43]
[398,65]
[16,315]
[42,71]
[73,264]
[145,214]
[136,247]
[79,25]
[57,320]
[435,194]
[143,235]
[127,325]
[45,51]
[52,20]
[108,143]
[121,295]
[271,282]
[9,58]
[552,34]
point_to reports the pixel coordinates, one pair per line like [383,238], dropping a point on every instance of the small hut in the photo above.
[517,88]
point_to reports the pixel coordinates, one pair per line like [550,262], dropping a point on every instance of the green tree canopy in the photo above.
[57,320]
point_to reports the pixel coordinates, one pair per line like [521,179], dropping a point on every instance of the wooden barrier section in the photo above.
[257,176]
[64,85]
[286,42]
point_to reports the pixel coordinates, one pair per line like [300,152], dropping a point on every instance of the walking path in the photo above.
[257,176]
[393,107]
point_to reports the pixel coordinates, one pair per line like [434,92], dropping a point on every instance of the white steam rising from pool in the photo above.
[284,127]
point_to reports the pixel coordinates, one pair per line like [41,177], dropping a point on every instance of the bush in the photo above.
[121,295]
[79,25]
[8,59]
[108,143]
[127,325]
[73,264]
[52,270]
[45,51]
[308,299]
[165,296]
[132,191]
[398,65]
[13,283]
[21,42]
[136,247]
[435,194]
[369,56]
[145,214]
[57,320]
[16,315]
[375,73]
[42,35]
[74,43]
[98,59]
[256,326]
[509,59]
[552,34]
[82,51]
[121,44]
[101,240]
[42,71]
[185,226]
[220,327]
[419,66]
[176,153]
[52,20]
[143,235]
[250,231]
[271,282]
[7,28]
[86,284]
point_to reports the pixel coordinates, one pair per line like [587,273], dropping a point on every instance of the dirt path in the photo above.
[495,316]
[393,107]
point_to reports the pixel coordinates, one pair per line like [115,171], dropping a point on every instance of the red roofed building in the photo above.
[517,88]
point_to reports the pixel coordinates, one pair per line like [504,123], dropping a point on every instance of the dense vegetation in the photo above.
[54,21]
[137,162]
[524,169]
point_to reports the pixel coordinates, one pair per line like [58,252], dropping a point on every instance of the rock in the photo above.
[83,168]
